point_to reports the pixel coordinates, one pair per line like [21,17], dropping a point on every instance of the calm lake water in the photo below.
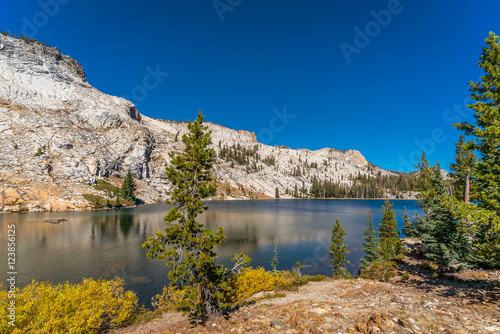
[108,243]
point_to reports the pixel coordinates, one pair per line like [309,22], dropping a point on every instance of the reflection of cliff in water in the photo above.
[108,243]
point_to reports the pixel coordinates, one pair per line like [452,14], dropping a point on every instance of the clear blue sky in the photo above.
[388,91]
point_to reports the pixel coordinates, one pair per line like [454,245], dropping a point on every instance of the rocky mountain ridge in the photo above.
[59,135]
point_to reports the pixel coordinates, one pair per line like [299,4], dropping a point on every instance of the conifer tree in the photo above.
[486,129]
[371,245]
[388,227]
[116,203]
[338,250]
[390,245]
[438,228]
[424,173]
[128,188]
[277,193]
[187,246]
[463,166]
[409,226]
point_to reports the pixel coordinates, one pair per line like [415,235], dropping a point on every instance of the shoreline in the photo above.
[211,200]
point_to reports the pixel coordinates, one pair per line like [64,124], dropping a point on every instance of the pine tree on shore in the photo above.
[338,250]
[186,244]
[128,188]
[485,131]
[388,227]
[370,247]
[409,226]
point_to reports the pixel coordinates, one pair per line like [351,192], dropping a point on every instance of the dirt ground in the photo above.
[464,302]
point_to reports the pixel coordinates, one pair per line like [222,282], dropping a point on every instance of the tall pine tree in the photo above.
[390,245]
[388,227]
[463,166]
[486,130]
[370,247]
[187,246]
[409,226]
[486,138]
[438,228]
[338,250]
[128,188]
[424,173]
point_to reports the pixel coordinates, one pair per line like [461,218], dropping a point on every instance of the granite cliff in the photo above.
[59,135]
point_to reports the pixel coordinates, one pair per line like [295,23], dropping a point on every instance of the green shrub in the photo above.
[107,187]
[399,258]
[406,275]
[316,278]
[379,271]
[94,199]
[89,307]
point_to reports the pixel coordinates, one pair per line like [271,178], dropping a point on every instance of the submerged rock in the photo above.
[141,280]
[54,220]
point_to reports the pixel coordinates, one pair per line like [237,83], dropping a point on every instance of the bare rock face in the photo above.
[58,135]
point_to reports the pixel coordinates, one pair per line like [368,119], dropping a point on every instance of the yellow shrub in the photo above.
[90,307]
[168,300]
[252,281]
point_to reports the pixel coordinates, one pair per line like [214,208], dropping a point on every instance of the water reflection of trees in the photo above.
[242,234]
[112,227]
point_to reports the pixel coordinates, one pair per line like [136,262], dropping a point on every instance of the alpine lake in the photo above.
[108,243]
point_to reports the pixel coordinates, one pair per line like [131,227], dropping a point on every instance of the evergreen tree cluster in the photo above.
[359,186]
[387,245]
[438,226]
[21,37]
[460,223]
[364,186]
[241,156]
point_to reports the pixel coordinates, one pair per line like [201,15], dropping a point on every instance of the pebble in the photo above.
[277,324]
[492,329]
